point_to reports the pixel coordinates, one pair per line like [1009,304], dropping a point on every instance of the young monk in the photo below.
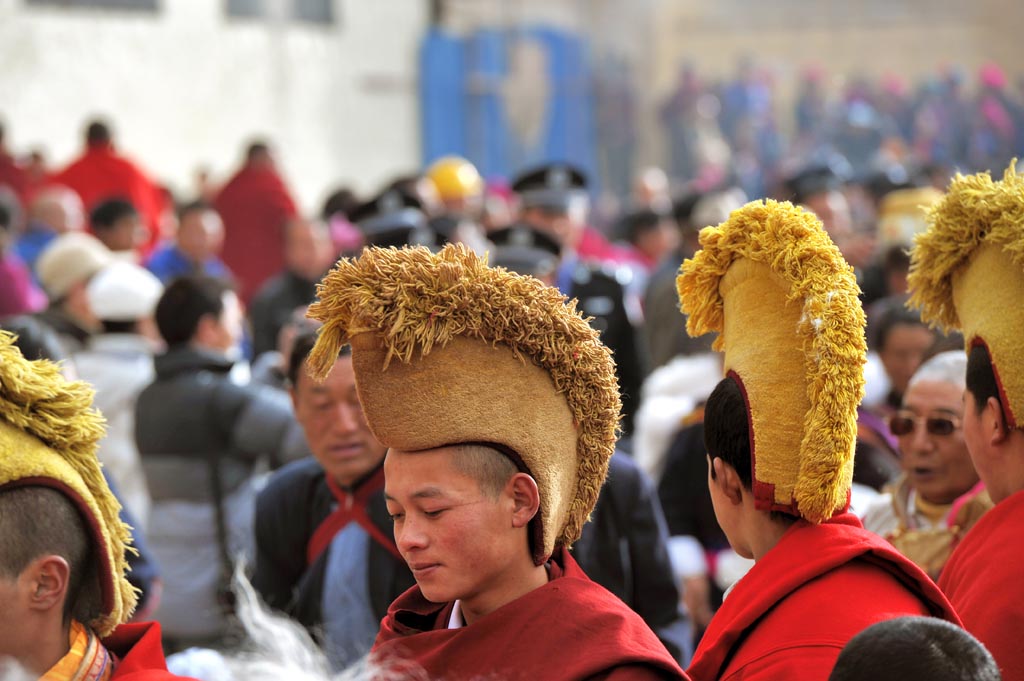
[499,407]
[967,273]
[780,430]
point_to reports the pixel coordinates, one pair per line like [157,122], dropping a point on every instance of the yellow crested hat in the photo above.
[785,305]
[967,274]
[447,350]
[48,438]
[903,214]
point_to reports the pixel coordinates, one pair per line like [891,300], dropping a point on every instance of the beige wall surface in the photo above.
[187,86]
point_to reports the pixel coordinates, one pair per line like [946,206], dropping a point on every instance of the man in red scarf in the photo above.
[499,407]
[101,173]
[255,206]
[325,551]
[780,431]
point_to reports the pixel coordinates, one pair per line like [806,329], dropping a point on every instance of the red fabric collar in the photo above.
[141,653]
[805,552]
[570,621]
[351,508]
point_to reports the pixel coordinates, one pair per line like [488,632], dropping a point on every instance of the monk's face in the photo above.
[332,419]
[936,461]
[459,541]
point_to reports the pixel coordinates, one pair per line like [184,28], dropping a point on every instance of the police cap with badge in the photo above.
[524,250]
[553,187]
[394,218]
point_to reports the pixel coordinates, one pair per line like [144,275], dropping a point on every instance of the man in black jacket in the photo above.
[201,437]
[326,553]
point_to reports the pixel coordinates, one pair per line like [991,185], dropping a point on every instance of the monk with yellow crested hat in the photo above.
[780,431]
[500,409]
[967,273]
[64,597]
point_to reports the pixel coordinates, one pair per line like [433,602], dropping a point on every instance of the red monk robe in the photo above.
[255,206]
[140,653]
[101,174]
[570,628]
[789,617]
[983,582]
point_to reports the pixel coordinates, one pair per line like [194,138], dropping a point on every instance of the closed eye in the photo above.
[434,514]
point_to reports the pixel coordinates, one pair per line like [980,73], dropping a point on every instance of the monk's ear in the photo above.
[727,480]
[525,499]
[994,421]
[47,579]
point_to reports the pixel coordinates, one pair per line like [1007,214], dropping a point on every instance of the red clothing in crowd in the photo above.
[255,206]
[13,175]
[789,617]
[100,173]
[983,582]
[570,628]
[140,653]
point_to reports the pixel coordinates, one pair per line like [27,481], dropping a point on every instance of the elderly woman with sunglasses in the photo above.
[939,496]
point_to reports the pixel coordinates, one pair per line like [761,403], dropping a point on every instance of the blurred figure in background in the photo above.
[308,254]
[119,226]
[201,438]
[256,208]
[101,173]
[18,293]
[53,211]
[118,362]
[64,270]
[196,247]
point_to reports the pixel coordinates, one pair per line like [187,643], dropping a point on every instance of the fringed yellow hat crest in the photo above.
[48,437]
[447,350]
[785,305]
[967,273]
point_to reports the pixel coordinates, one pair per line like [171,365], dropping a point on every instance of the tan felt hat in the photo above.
[48,437]
[785,305]
[447,350]
[967,273]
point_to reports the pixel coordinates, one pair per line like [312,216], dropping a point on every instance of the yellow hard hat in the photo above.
[455,178]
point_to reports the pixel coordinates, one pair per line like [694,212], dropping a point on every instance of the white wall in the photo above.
[186,86]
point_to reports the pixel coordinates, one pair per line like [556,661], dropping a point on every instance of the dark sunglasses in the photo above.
[904,424]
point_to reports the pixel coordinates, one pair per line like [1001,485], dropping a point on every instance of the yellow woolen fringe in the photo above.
[37,399]
[417,300]
[975,210]
[793,244]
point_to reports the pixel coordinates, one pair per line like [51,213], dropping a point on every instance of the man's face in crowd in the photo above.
[902,352]
[201,235]
[938,465]
[458,541]
[127,234]
[332,418]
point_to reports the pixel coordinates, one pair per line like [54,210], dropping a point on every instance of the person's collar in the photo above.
[455,620]
[86,660]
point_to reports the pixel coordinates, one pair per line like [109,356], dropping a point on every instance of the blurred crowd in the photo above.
[187,314]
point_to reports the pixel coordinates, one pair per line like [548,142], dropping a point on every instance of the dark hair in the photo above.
[97,132]
[110,326]
[184,302]
[304,342]
[255,149]
[342,201]
[6,217]
[197,206]
[726,429]
[896,259]
[682,210]
[914,648]
[895,314]
[981,377]
[107,212]
[37,521]
[35,339]
[636,224]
